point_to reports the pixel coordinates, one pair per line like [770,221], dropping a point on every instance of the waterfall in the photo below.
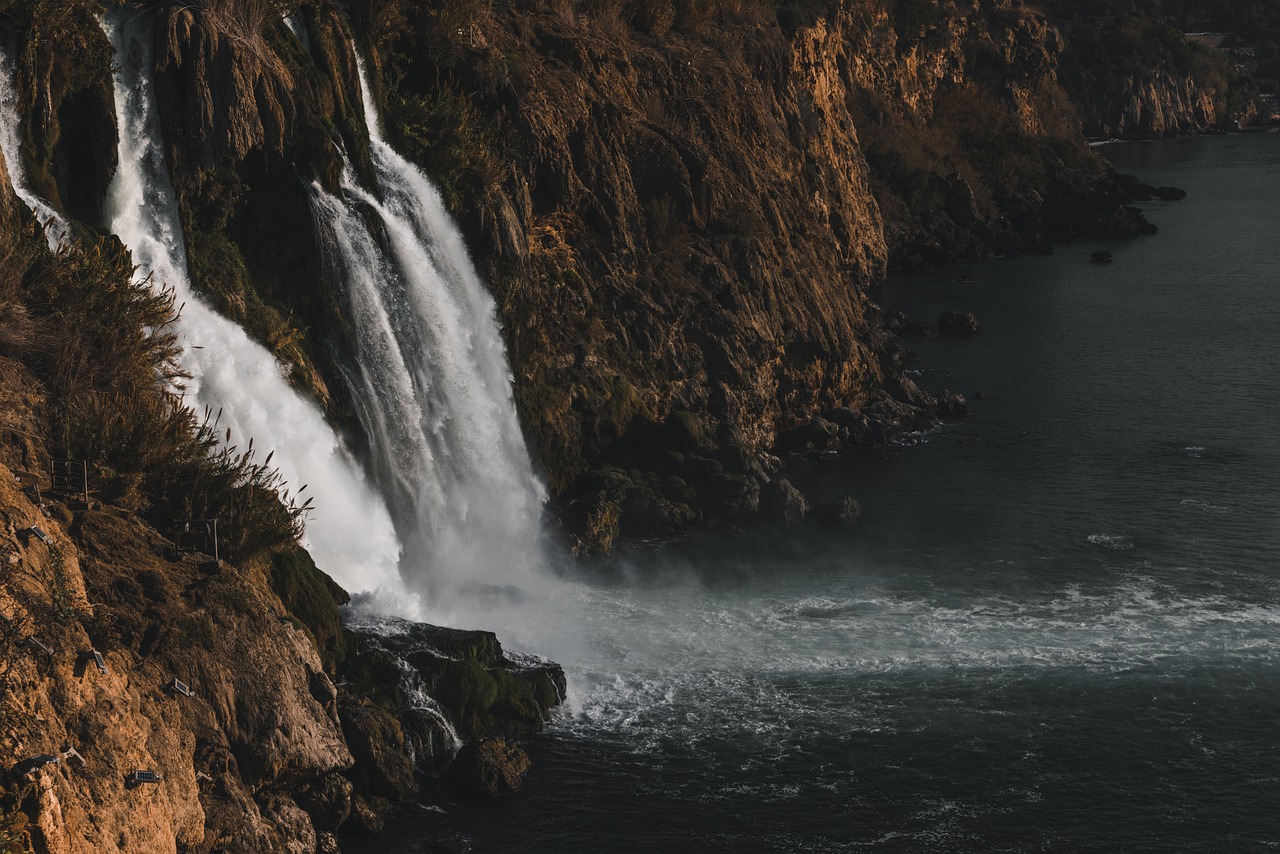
[432,386]
[298,26]
[349,534]
[56,230]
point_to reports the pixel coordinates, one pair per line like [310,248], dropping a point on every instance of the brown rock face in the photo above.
[261,722]
[1161,104]
[490,768]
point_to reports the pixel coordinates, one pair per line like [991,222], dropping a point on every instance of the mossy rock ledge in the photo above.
[407,684]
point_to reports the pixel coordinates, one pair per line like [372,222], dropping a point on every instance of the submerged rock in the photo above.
[844,513]
[958,323]
[898,323]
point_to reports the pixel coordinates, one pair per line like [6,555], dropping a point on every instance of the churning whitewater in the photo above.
[433,388]
[349,532]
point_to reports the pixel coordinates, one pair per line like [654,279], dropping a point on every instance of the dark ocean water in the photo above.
[1057,628]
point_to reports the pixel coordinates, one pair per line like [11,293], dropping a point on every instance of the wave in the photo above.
[778,672]
[1205,507]
[1118,542]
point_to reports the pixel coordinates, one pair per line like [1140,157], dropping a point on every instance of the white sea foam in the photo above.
[1205,507]
[684,663]
[1119,542]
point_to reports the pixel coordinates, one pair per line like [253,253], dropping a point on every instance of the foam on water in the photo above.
[663,666]
[1119,542]
[1206,507]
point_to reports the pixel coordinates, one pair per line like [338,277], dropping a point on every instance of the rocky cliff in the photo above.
[1134,71]
[1160,105]
[679,207]
[680,215]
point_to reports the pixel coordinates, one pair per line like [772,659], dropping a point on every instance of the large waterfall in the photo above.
[433,386]
[56,229]
[349,533]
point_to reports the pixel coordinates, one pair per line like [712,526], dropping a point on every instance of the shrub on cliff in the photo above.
[103,348]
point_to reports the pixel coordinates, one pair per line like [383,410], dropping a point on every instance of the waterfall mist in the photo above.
[349,532]
[433,390]
[56,229]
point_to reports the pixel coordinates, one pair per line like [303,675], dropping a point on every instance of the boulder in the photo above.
[898,323]
[951,404]
[818,435]
[377,741]
[1100,257]
[492,767]
[958,323]
[782,502]
[327,801]
[842,514]
[368,815]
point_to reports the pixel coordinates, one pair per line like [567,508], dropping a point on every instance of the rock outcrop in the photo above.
[1159,104]
[258,723]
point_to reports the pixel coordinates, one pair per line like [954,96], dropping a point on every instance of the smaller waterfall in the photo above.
[433,386]
[298,26]
[56,230]
[349,534]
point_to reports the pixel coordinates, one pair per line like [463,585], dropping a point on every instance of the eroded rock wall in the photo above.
[1161,104]
[262,722]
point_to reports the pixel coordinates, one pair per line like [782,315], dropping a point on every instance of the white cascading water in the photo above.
[56,230]
[349,533]
[434,389]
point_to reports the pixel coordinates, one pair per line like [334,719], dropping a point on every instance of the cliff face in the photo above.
[678,214]
[261,724]
[680,224]
[679,210]
[1134,73]
[1158,105]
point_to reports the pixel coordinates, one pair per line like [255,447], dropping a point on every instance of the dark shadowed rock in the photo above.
[1100,257]
[951,404]
[958,323]
[368,815]
[782,503]
[491,768]
[842,514]
[327,801]
[898,323]
[818,435]
[377,742]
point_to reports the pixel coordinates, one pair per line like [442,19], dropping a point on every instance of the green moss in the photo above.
[457,142]
[219,270]
[314,599]
[468,690]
